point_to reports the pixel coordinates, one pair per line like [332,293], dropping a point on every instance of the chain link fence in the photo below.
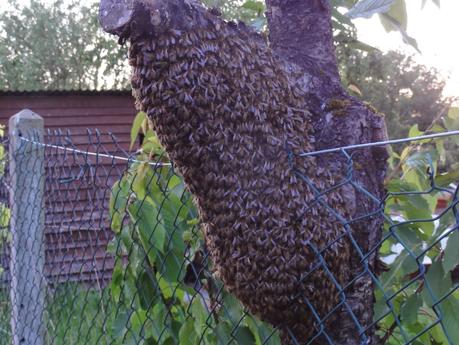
[105,248]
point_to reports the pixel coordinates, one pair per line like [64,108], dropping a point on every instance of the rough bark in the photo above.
[301,34]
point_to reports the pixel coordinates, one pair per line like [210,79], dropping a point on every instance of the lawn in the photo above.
[74,315]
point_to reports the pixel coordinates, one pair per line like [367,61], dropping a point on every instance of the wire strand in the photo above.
[96,154]
[304,154]
[380,143]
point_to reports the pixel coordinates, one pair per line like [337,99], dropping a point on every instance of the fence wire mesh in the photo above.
[122,257]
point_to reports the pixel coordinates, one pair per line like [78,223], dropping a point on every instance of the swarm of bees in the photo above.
[231,116]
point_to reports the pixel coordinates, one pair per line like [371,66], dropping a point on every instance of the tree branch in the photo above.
[301,33]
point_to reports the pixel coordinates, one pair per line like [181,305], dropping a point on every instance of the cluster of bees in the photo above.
[231,116]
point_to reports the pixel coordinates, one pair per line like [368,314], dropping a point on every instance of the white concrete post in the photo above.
[26,169]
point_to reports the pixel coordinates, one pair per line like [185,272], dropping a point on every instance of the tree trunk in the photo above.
[301,32]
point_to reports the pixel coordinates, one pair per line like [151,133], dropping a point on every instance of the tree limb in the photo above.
[301,35]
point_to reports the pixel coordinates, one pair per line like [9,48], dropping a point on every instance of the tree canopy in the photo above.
[406,92]
[60,47]
[57,47]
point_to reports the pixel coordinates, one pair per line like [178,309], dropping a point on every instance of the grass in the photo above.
[73,316]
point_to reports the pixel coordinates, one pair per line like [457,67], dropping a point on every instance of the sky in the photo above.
[435,29]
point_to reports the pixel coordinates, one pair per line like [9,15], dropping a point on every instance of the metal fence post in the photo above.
[27,227]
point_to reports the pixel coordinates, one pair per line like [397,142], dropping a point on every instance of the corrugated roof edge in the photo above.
[63,92]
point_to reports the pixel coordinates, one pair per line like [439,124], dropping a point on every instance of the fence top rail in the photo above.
[96,154]
[303,154]
[380,143]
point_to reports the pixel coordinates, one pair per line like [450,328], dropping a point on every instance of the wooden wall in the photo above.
[77,187]
[77,111]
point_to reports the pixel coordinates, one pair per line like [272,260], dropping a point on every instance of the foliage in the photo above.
[367,8]
[392,13]
[251,12]
[74,315]
[421,254]
[406,92]
[166,296]
[58,46]
[5,235]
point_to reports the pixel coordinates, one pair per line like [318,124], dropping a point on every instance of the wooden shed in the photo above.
[75,110]
[77,187]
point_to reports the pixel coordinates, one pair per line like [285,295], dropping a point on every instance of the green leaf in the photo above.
[437,336]
[397,269]
[451,257]
[136,323]
[151,144]
[117,280]
[187,334]
[160,314]
[410,237]
[391,23]
[244,336]
[421,160]
[367,8]
[139,184]
[450,321]
[415,207]
[444,180]
[5,215]
[414,131]
[453,113]
[149,225]
[257,6]
[398,185]
[262,332]
[152,341]
[233,310]
[451,123]
[118,201]
[223,333]
[409,310]
[356,44]
[437,284]
[398,13]
[119,325]
[340,18]
[199,313]
[147,288]
[171,266]
[137,124]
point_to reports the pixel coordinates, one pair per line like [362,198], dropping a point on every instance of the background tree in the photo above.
[406,92]
[58,46]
